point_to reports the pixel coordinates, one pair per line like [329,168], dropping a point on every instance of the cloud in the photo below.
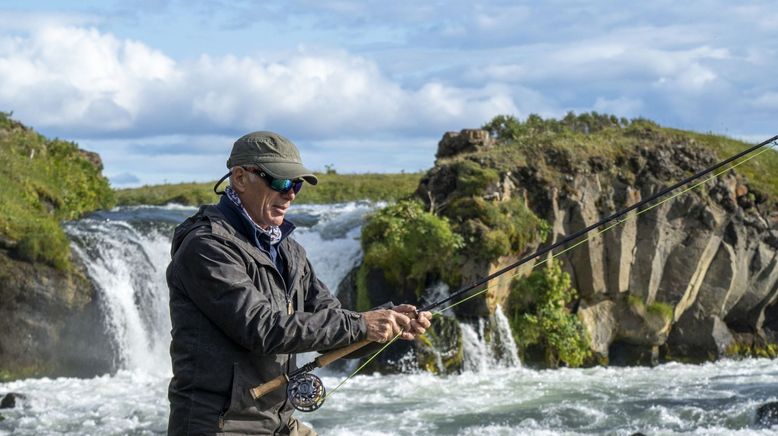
[374,73]
[92,83]
[627,107]
[12,20]
[70,77]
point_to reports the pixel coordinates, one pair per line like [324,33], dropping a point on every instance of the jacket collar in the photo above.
[246,228]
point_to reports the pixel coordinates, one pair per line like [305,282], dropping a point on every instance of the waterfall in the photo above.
[491,345]
[126,262]
[509,354]
[127,250]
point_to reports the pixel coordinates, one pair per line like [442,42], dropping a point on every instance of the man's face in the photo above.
[266,206]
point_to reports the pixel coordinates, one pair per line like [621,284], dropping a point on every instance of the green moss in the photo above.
[492,228]
[472,178]
[747,350]
[332,188]
[538,315]
[24,372]
[42,182]
[440,349]
[635,302]
[363,302]
[44,241]
[409,245]
[660,309]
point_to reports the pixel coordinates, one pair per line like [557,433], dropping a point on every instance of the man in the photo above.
[244,299]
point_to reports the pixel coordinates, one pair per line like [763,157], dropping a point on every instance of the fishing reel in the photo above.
[306,392]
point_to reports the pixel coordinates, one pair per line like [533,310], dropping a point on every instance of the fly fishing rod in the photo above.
[603,221]
[306,391]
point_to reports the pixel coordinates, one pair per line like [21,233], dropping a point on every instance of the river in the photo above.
[126,251]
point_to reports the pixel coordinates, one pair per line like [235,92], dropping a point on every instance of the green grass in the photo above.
[332,188]
[42,182]
[550,145]
[760,171]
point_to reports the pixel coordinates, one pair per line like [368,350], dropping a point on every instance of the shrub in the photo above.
[44,241]
[408,245]
[538,314]
[492,228]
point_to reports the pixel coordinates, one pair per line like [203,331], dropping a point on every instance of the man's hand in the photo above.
[385,324]
[420,321]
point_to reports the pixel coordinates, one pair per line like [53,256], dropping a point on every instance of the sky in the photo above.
[161,89]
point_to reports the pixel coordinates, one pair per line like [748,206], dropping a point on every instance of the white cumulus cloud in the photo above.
[84,80]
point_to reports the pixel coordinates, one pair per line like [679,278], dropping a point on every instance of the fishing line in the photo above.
[621,221]
[603,221]
[581,242]
[306,391]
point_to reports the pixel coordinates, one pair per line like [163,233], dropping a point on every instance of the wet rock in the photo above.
[767,414]
[11,400]
[440,349]
[347,290]
[53,322]
[699,337]
[626,354]
[641,325]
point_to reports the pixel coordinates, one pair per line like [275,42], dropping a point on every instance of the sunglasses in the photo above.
[281,185]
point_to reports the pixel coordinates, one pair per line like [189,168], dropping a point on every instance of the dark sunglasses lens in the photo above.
[281,185]
[284,185]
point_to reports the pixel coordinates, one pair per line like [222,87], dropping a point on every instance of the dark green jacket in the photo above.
[232,329]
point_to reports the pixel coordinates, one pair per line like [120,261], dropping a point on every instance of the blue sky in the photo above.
[161,89]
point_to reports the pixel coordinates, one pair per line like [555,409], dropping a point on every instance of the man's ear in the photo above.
[240,179]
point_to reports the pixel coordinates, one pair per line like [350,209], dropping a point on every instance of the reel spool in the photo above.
[306,392]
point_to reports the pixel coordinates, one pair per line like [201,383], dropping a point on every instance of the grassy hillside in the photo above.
[332,188]
[576,139]
[42,182]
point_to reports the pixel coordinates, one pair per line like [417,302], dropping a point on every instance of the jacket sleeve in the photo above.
[215,278]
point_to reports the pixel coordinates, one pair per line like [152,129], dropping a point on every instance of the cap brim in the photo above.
[289,170]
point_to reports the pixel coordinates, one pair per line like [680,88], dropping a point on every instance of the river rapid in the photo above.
[126,252]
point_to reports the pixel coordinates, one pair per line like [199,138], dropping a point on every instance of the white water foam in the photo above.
[509,353]
[332,243]
[491,346]
[128,267]
[718,398]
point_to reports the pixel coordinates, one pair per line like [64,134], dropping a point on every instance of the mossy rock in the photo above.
[440,349]
[409,246]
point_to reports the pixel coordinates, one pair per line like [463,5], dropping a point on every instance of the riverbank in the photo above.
[332,188]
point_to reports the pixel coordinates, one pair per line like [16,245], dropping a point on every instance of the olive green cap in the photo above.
[270,151]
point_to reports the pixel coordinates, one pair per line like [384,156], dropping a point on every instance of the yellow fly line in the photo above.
[553,256]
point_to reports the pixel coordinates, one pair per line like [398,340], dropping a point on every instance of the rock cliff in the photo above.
[49,313]
[692,278]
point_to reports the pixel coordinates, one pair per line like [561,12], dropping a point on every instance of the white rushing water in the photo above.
[127,252]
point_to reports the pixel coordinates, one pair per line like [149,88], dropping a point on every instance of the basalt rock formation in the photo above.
[709,255]
[693,278]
